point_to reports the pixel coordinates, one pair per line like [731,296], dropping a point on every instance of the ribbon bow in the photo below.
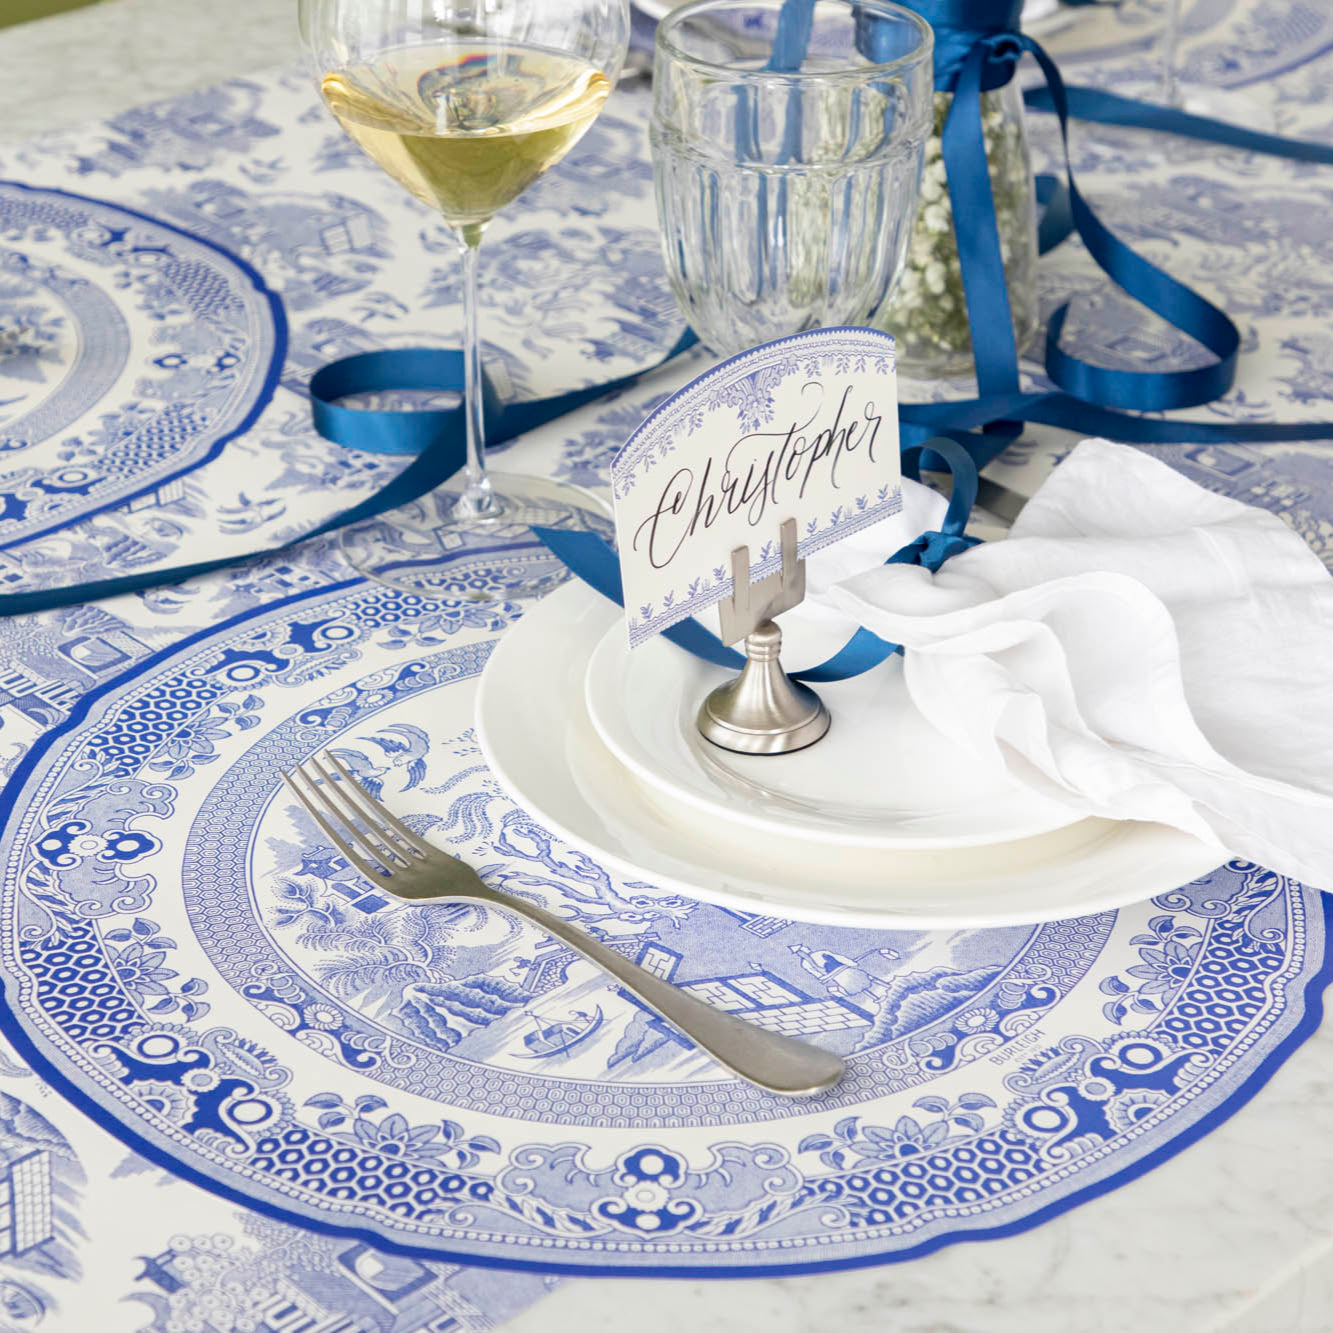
[932,549]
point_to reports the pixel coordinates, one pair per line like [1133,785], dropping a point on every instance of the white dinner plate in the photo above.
[882,777]
[539,741]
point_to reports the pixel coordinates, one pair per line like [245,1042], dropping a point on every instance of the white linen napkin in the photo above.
[1138,648]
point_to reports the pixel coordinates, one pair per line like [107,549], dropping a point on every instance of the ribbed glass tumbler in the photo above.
[787,161]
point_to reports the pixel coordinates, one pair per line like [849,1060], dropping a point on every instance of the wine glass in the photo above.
[465,103]
[1170,54]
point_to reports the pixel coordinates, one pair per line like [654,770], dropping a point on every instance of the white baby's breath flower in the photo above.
[927,313]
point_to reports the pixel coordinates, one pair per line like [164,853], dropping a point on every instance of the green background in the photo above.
[20,11]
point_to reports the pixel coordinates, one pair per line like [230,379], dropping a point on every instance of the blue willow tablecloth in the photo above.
[301,1099]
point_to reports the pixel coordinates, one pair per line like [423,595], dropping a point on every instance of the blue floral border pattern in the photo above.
[1227,46]
[211,336]
[191,1261]
[438,1084]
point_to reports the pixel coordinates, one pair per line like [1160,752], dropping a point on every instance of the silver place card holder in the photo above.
[763,711]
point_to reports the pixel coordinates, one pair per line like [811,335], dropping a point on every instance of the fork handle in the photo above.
[767,1059]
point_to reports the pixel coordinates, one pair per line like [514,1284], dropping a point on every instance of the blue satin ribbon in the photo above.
[978,47]
[989,58]
[593,560]
[437,437]
[1107,108]
[1056,223]
[957,24]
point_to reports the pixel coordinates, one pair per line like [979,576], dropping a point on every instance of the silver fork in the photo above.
[395,859]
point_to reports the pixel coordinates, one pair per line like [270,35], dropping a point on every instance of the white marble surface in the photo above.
[1234,1235]
[91,63]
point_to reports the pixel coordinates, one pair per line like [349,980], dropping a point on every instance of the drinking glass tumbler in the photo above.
[787,162]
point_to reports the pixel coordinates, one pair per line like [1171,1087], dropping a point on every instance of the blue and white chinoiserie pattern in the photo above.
[155,351]
[378,1089]
[177,1259]
[1226,43]
[130,353]
[188,960]
[252,181]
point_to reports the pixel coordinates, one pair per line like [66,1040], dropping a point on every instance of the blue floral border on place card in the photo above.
[749,392]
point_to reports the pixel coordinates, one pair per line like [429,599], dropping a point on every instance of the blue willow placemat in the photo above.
[169,282]
[185,959]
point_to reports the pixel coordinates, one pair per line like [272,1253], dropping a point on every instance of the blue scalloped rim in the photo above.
[1312,998]
[271,377]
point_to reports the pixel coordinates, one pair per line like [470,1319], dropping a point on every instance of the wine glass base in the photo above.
[1235,108]
[436,549]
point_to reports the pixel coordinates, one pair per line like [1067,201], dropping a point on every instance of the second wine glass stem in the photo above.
[1170,46]
[477,498]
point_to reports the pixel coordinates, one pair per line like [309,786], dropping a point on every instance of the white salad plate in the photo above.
[882,777]
[535,732]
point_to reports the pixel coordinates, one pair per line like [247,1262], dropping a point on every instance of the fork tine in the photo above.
[370,872]
[337,796]
[374,812]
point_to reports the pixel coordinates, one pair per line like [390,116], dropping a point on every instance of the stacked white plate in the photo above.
[883,823]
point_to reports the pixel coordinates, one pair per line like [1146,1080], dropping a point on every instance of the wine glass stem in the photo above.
[477,498]
[1170,44]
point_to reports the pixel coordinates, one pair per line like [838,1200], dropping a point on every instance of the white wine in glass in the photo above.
[465,103]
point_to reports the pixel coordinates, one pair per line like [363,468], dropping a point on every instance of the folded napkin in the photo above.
[1138,648]
[1035,11]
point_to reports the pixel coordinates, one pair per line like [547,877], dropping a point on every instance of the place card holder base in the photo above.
[762,711]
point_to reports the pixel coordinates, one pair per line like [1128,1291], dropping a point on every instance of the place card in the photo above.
[804,428]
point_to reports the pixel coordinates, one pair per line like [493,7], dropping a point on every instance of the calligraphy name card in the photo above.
[804,428]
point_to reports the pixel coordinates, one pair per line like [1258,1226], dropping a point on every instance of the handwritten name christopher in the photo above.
[762,469]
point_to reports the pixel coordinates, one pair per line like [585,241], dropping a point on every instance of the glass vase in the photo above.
[926,312]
